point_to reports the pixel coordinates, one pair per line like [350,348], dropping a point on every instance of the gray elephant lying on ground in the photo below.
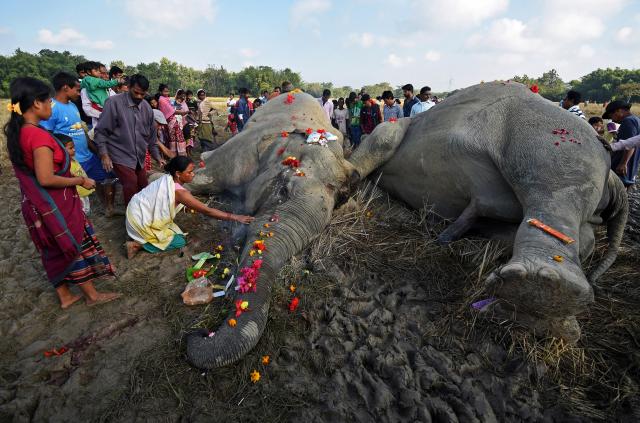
[487,154]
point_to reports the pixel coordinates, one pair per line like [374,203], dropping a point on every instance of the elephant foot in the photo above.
[542,287]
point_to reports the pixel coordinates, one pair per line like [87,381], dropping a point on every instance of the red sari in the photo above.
[57,225]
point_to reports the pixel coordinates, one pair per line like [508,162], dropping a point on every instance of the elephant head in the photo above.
[302,196]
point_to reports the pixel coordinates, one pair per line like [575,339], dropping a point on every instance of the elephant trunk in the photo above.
[617,219]
[301,217]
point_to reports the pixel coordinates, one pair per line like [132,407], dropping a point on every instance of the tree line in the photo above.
[600,85]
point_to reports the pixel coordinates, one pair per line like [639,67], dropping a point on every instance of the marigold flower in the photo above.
[251,253]
[266,225]
[309,131]
[320,131]
[226,271]
[217,256]
[559,259]
[255,376]
[219,248]
[232,322]
[284,134]
[534,89]
[292,288]
[393,120]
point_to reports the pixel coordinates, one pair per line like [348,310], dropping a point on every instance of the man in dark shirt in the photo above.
[124,133]
[625,163]
[409,99]
[369,115]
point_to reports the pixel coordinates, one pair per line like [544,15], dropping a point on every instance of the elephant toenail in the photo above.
[514,270]
[548,275]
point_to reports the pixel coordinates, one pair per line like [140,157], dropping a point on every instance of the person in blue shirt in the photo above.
[243,109]
[624,163]
[65,119]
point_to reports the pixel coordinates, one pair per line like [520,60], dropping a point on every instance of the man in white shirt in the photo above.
[326,104]
[425,102]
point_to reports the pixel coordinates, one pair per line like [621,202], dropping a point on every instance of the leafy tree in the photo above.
[630,90]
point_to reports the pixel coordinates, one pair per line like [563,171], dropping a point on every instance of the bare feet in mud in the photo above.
[103,297]
[132,248]
[69,302]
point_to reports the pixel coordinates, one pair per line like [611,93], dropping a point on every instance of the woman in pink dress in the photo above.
[176,140]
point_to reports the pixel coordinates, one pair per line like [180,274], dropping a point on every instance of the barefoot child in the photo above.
[76,170]
[65,119]
[232,125]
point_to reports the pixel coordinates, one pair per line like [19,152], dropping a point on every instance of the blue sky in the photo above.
[442,43]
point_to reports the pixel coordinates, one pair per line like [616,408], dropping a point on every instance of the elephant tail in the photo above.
[618,212]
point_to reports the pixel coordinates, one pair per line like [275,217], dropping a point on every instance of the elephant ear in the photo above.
[265,142]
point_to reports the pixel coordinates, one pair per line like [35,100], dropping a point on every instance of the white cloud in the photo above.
[399,61]
[367,39]
[586,51]
[588,19]
[153,17]
[458,13]
[432,56]
[508,35]
[71,38]
[624,34]
[248,52]
[304,13]
[303,10]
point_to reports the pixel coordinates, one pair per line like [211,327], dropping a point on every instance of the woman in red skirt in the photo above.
[70,252]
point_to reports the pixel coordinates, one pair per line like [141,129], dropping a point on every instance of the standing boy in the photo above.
[65,119]
[390,110]
[626,162]
[369,115]
[340,115]
[355,108]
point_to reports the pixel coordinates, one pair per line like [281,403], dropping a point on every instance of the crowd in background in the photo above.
[102,127]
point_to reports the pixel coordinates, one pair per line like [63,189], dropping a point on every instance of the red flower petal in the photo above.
[293,305]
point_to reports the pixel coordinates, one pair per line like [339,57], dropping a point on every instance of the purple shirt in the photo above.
[125,131]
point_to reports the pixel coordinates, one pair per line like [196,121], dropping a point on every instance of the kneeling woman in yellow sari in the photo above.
[151,212]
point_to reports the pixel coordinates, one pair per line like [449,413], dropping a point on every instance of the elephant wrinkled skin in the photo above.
[486,153]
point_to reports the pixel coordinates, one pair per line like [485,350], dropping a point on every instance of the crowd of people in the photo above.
[102,128]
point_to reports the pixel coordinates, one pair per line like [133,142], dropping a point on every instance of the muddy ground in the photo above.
[384,332]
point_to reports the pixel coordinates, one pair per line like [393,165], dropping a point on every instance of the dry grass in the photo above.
[596,378]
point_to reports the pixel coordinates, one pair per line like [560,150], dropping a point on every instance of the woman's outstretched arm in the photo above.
[185,197]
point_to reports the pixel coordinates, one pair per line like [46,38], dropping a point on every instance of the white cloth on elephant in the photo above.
[628,144]
[150,213]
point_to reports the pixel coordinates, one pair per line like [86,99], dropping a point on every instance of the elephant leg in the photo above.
[461,225]
[544,277]
[587,241]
